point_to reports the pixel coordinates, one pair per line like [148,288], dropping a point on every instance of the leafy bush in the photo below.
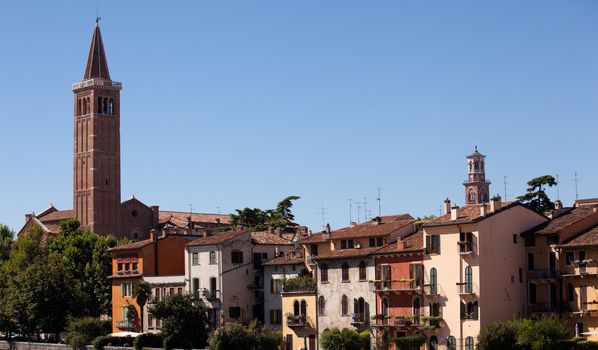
[100,342]
[497,336]
[148,340]
[412,342]
[83,330]
[546,333]
[335,339]
[364,339]
[231,336]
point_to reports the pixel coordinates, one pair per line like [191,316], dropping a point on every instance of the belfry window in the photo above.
[111,107]
[105,106]
[99,110]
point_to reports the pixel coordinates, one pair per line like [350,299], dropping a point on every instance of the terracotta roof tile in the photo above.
[367,229]
[133,245]
[58,215]
[165,215]
[468,214]
[573,216]
[587,238]
[287,259]
[217,238]
[267,238]
[413,242]
[346,253]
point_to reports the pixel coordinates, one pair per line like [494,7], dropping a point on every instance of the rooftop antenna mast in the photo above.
[558,192]
[505,183]
[218,210]
[379,199]
[350,211]
[365,209]
[576,181]
[358,210]
[323,213]
[98,18]
[190,208]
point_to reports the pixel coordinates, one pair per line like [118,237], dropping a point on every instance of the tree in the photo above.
[141,292]
[497,336]
[82,331]
[6,242]
[234,336]
[535,198]
[335,339]
[184,322]
[259,220]
[546,333]
[410,342]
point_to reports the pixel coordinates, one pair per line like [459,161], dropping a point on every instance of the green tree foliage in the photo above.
[411,342]
[184,322]
[141,292]
[83,331]
[234,336]
[6,242]
[259,220]
[535,197]
[497,336]
[345,339]
[148,340]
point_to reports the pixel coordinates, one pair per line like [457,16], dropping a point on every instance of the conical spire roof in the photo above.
[97,65]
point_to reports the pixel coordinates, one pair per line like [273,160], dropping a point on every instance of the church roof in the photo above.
[476,154]
[97,65]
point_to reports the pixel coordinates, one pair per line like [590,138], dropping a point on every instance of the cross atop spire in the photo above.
[97,65]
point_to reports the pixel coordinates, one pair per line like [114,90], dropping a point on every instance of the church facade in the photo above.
[96,167]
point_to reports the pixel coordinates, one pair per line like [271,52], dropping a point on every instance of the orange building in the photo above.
[163,254]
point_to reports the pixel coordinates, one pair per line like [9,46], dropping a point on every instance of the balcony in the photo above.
[396,287]
[105,83]
[358,319]
[543,308]
[408,322]
[298,321]
[126,325]
[466,289]
[580,271]
[465,248]
[542,274]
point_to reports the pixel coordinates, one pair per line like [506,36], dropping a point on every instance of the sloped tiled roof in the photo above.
[218,238]
[286,259]
[268,238]
[469,214]
[587,238]
[58,215]
[166,215]
[133,245]
[573,216]
[97,65]
[413,242]
[346,253]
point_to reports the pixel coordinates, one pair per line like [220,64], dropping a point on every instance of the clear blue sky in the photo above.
[240,103]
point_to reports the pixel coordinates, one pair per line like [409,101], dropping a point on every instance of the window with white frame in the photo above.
[126,289]
[195,259]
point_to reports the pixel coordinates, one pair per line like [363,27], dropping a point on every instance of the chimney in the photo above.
[328,228]
[377,220]
[558,205]
[400,243]
[353,223]
[152,234]
[327,232]
[155,215]
[28,216]
[495,203]
[278,231]
[270,229]
[454,212]
[447,206]
[483,210]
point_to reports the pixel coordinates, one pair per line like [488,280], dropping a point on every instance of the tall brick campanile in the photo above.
[476,186]
[96,166]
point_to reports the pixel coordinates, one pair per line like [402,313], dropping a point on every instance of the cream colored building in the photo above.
[299,323]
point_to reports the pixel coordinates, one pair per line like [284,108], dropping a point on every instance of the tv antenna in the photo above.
[350,211]
[505,183]
[365,209]
[190,208]
[379,199]
[576,181]
[358,210]
[218,210]
[558,192]
[323,213]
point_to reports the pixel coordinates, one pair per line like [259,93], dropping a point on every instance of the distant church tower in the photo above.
[476,186]
[96,186]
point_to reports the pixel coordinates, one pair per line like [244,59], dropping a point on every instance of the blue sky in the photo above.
[240,103]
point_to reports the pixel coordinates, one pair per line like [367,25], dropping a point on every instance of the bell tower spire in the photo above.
[476,186]
[96,163]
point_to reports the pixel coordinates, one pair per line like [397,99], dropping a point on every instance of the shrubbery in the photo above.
[234,336]
[411,342]
[148,340]
[83,330]
[100,342]
[345,339]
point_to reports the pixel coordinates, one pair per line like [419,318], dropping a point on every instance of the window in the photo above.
[345,272]
[134,266]
[119,267]
[303,308]
[347,244]
[359,310]
[372,242]
[416,307]
[569,258]
[237,257]
[578,329]
[468,280]
[552,239]
[530,262]
[195,259]
[212,258]
[157,294]
[433,244]
[532,293]
[362,271]
[313,249]
[99,111]
[474,310]
[520,275]
[433,343]
[196,288]
[324,273]
[126,289]
[471,196]
[275,317]
[321,305]
[385,306]
[234,312]
[344,305]
[469,343]
[380,241]
[570,292]
[150,321]
[530,241]
[213,291]
[111,107]
[451,343]
[433,281]
[514,238]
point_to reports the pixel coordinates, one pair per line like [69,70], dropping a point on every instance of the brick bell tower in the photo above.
[96,167]
[476,186]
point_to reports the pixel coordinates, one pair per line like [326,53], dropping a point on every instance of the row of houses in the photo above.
[394,275]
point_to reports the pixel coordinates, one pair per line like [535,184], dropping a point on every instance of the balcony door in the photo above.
[386,276]
[416,273]
[583,298]
[552,261]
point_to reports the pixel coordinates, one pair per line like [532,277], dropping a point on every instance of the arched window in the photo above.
[469,343]
[471,196]
[212,258]
[570,292]
[345,272]
[111,107]
[416,306]
[433,343]
[87,106]
[433,281]
[468,280]
[344,305]
[84,111]
[362,271]
[451,343]
[303,308]
[321,305]
[296,308]
[532,293]
[359,309]
[474,310]
[78,106]
[105,106]
[99,110]
[324,273]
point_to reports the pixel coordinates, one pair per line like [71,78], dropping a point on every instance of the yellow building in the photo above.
[579,272]
[299,323]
